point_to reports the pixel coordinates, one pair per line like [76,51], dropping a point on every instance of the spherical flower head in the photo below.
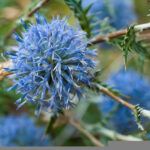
[135,89]
[52,64]
[119,12]
[21,131]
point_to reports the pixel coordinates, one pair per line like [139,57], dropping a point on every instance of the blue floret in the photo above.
[21,131]
[120,13]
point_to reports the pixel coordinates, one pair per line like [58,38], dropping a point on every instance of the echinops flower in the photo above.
[52,64]
[21,131]
[135,89]
[120,13]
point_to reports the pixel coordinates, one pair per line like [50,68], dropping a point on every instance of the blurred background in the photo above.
[21,127]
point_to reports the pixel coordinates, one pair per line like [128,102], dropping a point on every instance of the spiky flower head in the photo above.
[135,89]
[119,12]
[21,131]
[52,64]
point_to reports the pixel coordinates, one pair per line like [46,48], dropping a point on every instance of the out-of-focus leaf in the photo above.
[81,14]
[7,3]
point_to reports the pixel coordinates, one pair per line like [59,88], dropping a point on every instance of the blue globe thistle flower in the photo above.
[119,12]
[52,64]
[21,131]
[136,88]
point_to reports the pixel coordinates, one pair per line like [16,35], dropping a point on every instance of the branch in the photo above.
[3,74]
[112,134]
[108,37]
[30,14]
[37,7]
[116,34]
[118,99]
[143,112]
[66,118]
[82,129]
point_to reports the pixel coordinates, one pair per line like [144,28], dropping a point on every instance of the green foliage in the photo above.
[82,14]
[129,43]
[92,110]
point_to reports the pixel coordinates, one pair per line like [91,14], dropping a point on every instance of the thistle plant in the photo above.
[52,64]
[21,131]
[134,88]
[53,67]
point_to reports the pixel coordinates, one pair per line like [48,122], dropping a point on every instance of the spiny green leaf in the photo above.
[128,43]
[82,14]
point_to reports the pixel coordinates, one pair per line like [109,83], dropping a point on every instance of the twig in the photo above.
[112,134]
[3,74]
[142,27]
[78,126]
[118,99]
[113,35]
[108,37]
[143,112]
[79,113]
[37,7]
[30,14]
[66,118]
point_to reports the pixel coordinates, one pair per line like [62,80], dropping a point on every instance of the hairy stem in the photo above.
[116,34]
[118,99]
[143,112]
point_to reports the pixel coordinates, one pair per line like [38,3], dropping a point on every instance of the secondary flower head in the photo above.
[135,89]
[119,12]
[52,64]
[21,131]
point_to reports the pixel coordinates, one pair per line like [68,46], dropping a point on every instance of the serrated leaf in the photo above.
[81,14]
[128,44]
